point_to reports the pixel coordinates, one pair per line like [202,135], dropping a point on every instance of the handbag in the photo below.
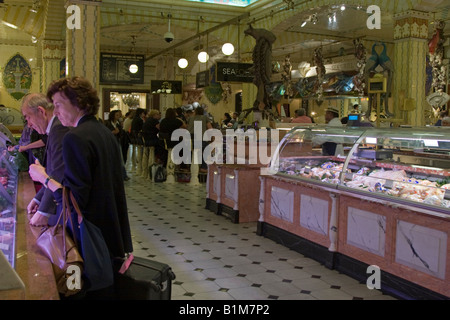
[57,245]
[98,267]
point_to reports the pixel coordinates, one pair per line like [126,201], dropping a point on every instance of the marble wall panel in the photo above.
[421,248]
[282,204]
[230,186]
[314,214]
[366,230]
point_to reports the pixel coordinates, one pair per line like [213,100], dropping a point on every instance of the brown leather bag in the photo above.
[57,245]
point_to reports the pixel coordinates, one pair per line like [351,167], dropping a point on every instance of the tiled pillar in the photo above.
[83,44]
[411,48]
[52,53]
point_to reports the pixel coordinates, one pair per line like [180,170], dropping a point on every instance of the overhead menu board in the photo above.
[234,72]
[202,79]
[115,68]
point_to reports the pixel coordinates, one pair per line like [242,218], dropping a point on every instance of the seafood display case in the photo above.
[410,166]
[8,193]
[351,198]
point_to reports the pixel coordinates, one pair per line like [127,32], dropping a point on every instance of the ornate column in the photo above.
[83,40]
[411,48]
[52,54]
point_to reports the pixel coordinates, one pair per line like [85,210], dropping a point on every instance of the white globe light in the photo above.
[228,49]
[183,63]
[203,57]
[133,68]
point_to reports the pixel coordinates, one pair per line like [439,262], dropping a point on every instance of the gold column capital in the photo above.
[411,24]
[52,49]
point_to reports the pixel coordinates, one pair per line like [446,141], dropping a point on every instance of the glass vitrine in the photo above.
[8,192]
[407,165]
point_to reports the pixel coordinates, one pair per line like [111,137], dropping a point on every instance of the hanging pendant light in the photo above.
[203,57]
[133,68]
[228,47]
[183,63]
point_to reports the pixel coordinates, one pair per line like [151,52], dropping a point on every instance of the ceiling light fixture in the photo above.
[133,68]
[203,56]
[228,47]
[183,63]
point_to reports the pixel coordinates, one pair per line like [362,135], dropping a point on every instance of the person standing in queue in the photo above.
[332,120]
[93,168]
[39,114]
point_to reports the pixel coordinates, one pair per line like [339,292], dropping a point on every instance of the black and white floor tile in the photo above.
[214,259]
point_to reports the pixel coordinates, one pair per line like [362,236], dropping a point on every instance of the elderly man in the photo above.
[38,112]
[301,117]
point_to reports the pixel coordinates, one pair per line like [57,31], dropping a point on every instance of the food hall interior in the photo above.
[308,230]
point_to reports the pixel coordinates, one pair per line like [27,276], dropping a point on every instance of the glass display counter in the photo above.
[351,198]
[406,165]
[8,194]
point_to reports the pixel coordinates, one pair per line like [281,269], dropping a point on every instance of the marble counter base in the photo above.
[409,246]
[235,191]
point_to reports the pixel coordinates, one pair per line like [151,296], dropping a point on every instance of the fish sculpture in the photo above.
[262,63]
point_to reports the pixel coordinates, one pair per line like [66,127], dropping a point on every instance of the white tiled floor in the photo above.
[214,259]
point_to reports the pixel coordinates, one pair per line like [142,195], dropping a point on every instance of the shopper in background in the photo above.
[205,123]
[167,126]
[92,172]
[332,120]
[446,121]
[137,140]
[226,120]
[113,124]
[39,113]
[150,132]
[301,117]
[127,138]
[188,114]
[127,121]
[234,121]
[355,109]
[442,115]
[180,114]
[31,144]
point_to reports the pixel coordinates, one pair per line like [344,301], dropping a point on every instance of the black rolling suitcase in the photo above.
[144,279]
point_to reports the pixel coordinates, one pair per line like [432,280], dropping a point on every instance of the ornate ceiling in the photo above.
[147,21]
